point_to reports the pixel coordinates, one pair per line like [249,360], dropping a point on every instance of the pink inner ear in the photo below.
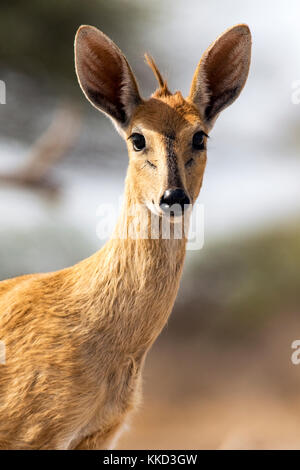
[224,65]
[105,75]
[222,72]
[102,70]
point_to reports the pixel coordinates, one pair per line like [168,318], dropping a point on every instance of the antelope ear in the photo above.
[222,72]
[105,75]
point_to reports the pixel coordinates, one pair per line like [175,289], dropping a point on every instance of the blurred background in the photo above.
[220,376]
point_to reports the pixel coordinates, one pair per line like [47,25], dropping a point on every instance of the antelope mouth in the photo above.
[173,214]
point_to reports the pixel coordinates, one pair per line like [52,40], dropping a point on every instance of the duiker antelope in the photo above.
[76,339]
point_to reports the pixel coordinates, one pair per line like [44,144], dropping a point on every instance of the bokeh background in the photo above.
[220,376]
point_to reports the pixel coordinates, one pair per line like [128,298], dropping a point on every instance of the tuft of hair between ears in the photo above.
[163,89]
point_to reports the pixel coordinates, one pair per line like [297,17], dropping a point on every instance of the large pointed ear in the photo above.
[222,72]
[105,75]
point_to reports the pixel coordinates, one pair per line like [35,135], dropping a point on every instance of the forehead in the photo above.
[167,115]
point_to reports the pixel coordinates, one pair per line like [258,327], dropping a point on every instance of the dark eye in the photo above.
[138,141]
[198,140]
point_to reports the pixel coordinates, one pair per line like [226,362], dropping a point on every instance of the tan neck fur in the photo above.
[134,282]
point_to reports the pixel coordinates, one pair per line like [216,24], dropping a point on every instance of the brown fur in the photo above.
[76,339]
[163,87]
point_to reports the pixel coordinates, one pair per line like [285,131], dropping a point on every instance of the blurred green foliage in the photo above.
[37,36]
[235,288]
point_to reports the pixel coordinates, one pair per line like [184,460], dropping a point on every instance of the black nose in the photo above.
[173,201]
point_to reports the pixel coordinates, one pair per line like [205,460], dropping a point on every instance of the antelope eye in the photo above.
[138,141]
[198,140]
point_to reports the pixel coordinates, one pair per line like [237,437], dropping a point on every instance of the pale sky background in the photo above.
[253,171]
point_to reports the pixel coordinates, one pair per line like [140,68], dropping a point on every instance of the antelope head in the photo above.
[167,134]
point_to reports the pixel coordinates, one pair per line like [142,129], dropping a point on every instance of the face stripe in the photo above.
[174,179]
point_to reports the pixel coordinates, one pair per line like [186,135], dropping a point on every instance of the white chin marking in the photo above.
[152,208]
[173,219]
